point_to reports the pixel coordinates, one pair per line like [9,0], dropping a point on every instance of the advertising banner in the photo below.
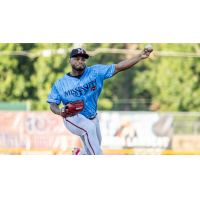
[35,130]
[136,130]
[120,130]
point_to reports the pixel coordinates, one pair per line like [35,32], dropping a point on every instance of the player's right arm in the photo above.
[69,110]
[55,109]
[54,100]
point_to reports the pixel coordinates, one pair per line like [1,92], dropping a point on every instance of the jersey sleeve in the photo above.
[54,96]
[106,71]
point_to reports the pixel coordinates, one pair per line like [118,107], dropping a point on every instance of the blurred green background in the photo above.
[164,82]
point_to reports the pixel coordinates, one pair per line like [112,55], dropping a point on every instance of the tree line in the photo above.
[160,83]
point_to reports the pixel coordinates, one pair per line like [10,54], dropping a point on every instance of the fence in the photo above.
[186,123]
[19,106]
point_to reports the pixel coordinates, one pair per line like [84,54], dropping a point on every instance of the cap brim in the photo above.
[81,54]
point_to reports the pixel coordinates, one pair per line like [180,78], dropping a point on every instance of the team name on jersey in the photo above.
[79,91]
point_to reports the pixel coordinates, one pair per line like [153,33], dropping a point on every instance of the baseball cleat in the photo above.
[76,151]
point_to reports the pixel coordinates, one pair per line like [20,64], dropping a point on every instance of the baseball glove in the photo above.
[73,107]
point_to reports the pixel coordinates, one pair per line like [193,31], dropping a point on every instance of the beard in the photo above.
[78,69]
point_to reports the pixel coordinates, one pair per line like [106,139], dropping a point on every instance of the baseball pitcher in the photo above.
[79,91]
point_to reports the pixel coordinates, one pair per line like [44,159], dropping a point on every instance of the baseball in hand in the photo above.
[149,47]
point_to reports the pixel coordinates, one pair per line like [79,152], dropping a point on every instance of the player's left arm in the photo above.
[126,64]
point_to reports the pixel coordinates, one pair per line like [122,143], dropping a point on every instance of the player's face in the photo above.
[78,63]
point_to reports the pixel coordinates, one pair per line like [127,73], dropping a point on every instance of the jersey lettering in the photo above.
[79,91]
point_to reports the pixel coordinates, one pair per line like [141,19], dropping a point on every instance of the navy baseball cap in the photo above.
[79,51]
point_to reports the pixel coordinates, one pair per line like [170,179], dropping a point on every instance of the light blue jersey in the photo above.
[87,88]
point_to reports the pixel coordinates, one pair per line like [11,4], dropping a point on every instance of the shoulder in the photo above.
[96,66]
[92,71]
[60,81]
[100,66]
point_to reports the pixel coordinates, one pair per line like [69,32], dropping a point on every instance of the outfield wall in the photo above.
[122,133]
[186,142]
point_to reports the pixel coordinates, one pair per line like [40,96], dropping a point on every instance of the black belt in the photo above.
[91,118]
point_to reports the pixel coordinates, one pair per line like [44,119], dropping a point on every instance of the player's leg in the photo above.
[92,141]
[82,126]
[98,130]
[85,150]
